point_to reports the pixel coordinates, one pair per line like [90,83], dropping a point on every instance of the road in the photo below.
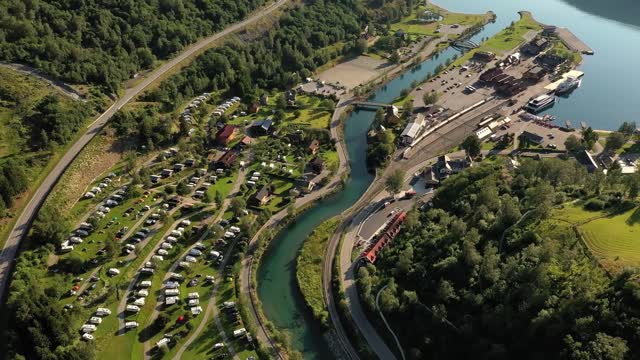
[247,262]
[211,306]
[61,86]
[432,145]
[23,223]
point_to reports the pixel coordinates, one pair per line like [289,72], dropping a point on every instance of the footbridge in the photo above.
[370,104]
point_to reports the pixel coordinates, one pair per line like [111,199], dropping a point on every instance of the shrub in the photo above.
[594,205]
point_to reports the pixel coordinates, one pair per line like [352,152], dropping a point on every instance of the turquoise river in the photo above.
[605,99]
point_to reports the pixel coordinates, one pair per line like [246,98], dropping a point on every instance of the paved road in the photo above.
[247,262]
[31,209]
[432,145]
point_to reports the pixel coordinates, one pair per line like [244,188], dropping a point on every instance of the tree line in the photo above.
[488,272]
[106,42]
[286,55]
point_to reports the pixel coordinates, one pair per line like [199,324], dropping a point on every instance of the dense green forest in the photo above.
[282,58]
[491,271]
[105,42]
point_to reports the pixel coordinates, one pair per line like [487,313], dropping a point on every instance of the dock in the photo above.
[573,42]
[573,73]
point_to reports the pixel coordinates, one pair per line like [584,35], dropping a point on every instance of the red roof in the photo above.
[225,132]
[390,232]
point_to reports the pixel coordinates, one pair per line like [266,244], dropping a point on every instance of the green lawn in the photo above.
[506,40]
[413,25]
[309,268]
[310,115]
[614,240]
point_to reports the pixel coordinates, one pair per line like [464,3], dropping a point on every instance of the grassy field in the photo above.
[309,268]
[310,115]
[413,25]
[614,240]
[507,39]
[13,140]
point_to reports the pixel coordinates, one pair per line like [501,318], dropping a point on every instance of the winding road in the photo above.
[23,223]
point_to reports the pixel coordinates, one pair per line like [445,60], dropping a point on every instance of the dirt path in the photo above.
[61,86]
[123,302]
[211,306]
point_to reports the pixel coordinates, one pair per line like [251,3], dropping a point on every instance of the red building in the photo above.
[390,232]
[226,134]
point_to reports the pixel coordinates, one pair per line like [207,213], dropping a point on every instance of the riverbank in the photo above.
[309,269]
[251,307]
[282,304]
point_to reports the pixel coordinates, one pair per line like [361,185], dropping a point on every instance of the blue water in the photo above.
[608,95]
[281,300]
[605,99]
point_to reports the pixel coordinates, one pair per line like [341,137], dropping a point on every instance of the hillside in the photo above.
[106,42]
[497,269]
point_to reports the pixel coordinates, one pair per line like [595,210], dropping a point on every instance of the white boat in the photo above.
[569,84]
[540,103]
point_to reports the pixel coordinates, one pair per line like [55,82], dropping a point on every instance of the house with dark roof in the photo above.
[226,134]
[535,73]
[531,137]
[585,158]
[551,62]
[262,197]
[304,185]
[262,127]
[264,99]
[393,115]
[536,46]
[227,159]
[253,108]
[316,164]
[443,168]
[484,56]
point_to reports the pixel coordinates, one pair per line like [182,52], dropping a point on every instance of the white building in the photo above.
[413,129]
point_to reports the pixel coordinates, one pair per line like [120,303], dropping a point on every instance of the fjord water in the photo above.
[609,94]
[277,289]
[605,100]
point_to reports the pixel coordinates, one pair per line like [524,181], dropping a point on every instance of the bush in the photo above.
[594,205]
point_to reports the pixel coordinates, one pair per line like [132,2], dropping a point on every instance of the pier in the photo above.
[573,42]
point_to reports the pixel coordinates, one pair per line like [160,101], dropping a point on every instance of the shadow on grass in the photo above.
[634,218]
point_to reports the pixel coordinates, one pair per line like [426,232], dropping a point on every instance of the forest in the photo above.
[106,42]
[286,55]
[490,270]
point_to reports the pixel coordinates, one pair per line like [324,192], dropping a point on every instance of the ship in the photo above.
[540,103]
[568,85]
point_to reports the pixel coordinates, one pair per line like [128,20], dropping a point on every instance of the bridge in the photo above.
[466,44]
[370,104]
